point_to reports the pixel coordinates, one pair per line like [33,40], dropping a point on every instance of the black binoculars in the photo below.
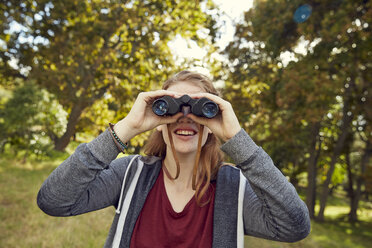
[168,105]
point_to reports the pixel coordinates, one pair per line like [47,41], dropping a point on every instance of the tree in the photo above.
[296,100]
[27,118]
[81,51]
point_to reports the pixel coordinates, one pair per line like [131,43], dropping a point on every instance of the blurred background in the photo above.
[298,74]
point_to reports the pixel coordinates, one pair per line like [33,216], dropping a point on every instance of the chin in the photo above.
[185,149]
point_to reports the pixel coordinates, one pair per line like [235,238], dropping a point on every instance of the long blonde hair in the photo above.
[211,156]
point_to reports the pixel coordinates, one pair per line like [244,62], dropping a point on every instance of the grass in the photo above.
[23,224]
[335,231]
[330,234]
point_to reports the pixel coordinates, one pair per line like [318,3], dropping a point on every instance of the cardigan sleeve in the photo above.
[88,180]
[272,208]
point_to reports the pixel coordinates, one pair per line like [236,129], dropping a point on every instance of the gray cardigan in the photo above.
[254,197]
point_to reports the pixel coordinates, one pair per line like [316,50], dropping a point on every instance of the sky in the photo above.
[233,12]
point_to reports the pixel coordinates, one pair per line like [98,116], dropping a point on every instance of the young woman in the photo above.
[181,194]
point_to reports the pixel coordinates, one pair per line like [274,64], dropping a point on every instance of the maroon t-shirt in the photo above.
[158,225]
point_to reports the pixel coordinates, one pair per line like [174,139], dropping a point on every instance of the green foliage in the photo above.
[84,51]
[27,118]
[326,84]
[310,89]
[339,174]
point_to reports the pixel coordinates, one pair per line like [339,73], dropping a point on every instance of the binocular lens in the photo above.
[160,107]
[210,109]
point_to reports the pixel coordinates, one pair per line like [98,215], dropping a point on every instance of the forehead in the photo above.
[186,87]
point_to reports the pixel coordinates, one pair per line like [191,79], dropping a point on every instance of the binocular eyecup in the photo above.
[202,107]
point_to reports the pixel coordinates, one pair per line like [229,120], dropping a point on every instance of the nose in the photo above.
[186,110]
[184,119]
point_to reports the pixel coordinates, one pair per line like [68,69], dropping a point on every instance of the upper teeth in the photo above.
[185,132]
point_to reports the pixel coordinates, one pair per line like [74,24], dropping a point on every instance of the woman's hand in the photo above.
[141,117]
[225,125]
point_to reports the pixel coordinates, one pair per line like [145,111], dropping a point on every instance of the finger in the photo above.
[204,94]
[211,97]
[151,96]
[159,93]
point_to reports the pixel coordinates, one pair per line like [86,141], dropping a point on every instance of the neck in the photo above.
[186,161]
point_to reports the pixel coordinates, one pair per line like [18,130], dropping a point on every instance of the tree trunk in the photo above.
[312,169]
[354,204]
[293,176]
[347,117]
[351,192]
[61,143]
[346,120]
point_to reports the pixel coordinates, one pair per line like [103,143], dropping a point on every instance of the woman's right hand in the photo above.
[141,118]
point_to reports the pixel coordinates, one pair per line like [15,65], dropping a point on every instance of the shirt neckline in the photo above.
[168,204]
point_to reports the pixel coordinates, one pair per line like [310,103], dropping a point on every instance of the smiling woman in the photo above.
[211,155]
[181,194]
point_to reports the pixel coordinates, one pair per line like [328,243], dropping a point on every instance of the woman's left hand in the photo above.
[225,125]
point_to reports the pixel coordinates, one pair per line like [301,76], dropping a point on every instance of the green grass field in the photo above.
[24,225]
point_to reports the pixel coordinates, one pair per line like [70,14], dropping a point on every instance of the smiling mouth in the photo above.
[185,132]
